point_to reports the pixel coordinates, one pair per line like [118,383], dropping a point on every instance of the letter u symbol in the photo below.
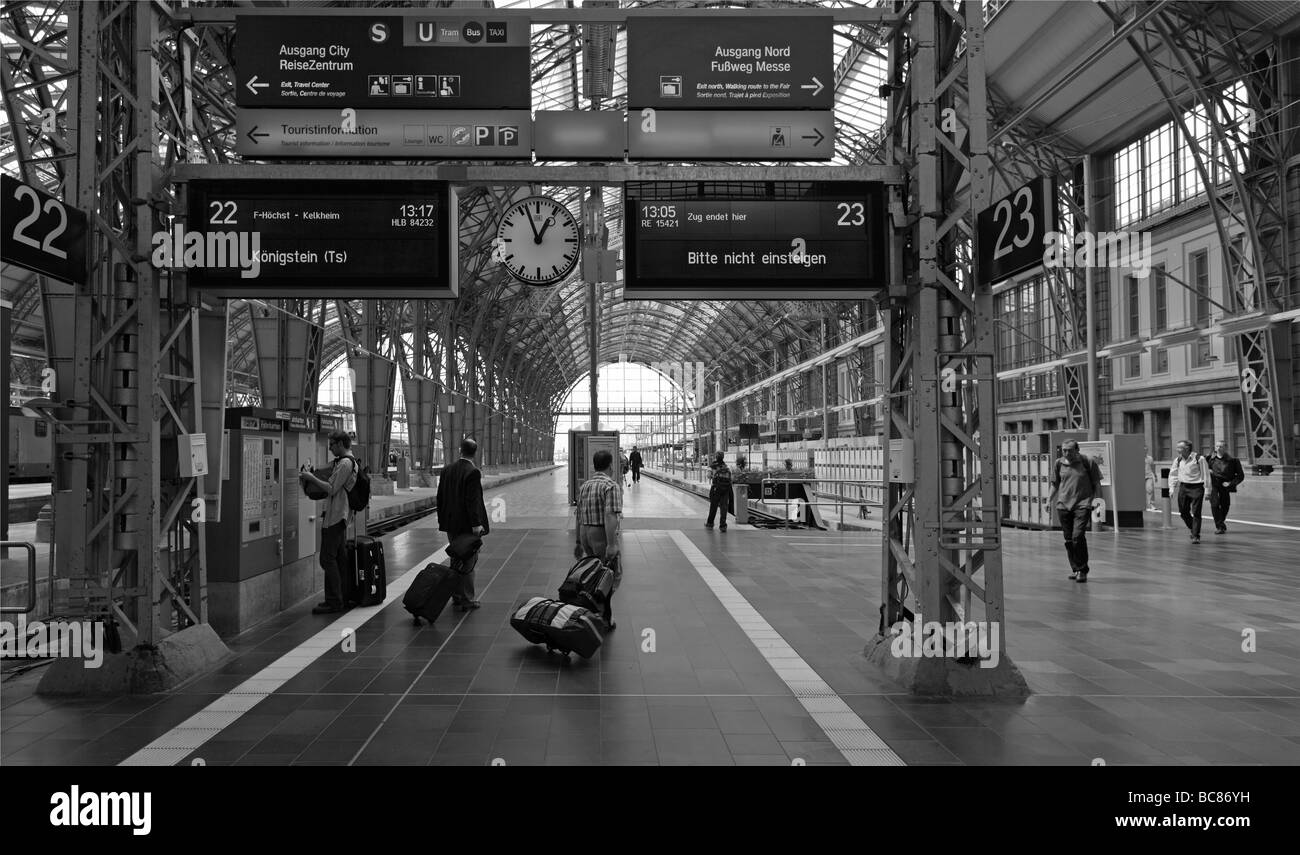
[425,31]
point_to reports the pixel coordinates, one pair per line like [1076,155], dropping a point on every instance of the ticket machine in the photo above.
[261,552]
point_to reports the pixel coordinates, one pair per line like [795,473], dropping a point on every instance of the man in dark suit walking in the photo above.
[463,516]
[1225,475]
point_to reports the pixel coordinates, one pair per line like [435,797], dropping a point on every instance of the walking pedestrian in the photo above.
[599,520]
[463,516]
[1076,483]
[634,460]
[1187,482]
[1225,475]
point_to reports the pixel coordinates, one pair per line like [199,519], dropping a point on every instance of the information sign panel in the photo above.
[422,59]
[386,134]
[1013,233]
[41,233]
[732,61]
[360,239]
[732,135]
[809,240]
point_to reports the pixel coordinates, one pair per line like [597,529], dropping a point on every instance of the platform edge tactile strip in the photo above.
[850,735]
[224,711]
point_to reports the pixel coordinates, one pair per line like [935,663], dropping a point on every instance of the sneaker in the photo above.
[471,606]
[1074,575]
[1195,539]
[722,528]
[324,609]
[708,525]
[1083,577]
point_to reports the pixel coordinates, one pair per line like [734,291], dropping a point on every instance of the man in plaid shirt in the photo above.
[600,511]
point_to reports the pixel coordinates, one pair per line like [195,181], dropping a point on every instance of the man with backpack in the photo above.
[463,516]
[334,523]
[719,491]
[1187,477]
[1076,484]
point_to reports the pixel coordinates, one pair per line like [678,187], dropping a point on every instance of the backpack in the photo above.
[359,492]
[721,477]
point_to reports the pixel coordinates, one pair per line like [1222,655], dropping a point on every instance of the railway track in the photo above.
[390,524]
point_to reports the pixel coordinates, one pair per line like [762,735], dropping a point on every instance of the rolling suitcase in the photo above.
[590,584]
[429,593]
[348,573]
[562,627]
[371,572]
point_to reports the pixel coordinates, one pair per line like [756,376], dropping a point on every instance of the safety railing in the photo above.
[839,499]
[31,577]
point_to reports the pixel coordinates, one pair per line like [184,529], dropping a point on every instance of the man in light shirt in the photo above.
[1187,478]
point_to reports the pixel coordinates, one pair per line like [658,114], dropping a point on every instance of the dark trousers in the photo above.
[1075,523]
[1190,499]
[636,474]
[719,501]
[464,570]
[1220,504]
[333,558]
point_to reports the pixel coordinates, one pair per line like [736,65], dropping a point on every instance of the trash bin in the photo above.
[741,495]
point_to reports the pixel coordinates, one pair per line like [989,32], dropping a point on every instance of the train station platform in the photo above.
[743,647]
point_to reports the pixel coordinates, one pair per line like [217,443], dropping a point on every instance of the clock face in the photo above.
[538,241]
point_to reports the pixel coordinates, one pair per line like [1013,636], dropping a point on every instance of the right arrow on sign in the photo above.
[816,86]
[817,139]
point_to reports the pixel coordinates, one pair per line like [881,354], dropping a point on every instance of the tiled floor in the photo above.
[1143,665]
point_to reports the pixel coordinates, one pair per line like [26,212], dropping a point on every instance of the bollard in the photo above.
[742,502]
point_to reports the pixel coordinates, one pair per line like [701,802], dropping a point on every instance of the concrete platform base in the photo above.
[946,677]
[142,671]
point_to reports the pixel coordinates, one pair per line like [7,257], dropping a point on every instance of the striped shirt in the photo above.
[598,496]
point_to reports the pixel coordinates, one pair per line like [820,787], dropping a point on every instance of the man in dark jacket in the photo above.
[719,491]
[634,460]
[462,515]
[1225,475]
[1076,484]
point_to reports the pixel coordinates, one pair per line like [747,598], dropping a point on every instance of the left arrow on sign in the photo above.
[253,85]
[253,134]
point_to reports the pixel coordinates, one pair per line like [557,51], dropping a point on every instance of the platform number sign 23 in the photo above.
[1012,232]
[41,233]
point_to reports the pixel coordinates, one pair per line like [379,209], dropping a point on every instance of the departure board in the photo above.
[361,239]
[769,240]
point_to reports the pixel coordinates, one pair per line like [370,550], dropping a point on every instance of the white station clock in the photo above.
[538,241]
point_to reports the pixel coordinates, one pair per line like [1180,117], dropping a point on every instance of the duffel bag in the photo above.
[559,626]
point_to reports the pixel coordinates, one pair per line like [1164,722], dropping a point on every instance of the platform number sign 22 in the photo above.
[1012,232]
[41,233]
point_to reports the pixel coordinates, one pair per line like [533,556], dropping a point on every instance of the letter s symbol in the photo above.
[379,33]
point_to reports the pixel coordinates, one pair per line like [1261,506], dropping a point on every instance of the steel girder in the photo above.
[126,349]
[1199,38]
[942,542]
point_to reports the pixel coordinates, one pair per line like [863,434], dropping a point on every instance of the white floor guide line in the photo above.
[181,741]
[858,743]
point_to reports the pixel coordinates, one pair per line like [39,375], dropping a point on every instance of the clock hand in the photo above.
[550,221]
[536,237]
